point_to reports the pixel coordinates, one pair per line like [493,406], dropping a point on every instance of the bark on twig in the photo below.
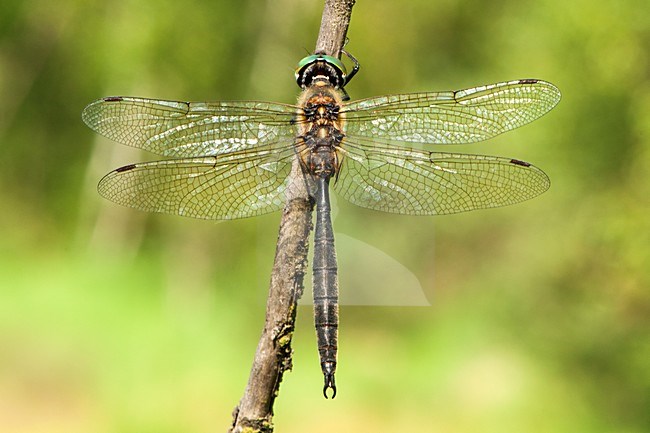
[334,27]
[273,357]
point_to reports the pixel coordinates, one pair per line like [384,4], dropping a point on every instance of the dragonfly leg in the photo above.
[354,70]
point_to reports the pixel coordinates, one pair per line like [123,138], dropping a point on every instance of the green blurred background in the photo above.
[112,320]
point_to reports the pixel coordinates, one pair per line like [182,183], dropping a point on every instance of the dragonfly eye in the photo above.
[320,67]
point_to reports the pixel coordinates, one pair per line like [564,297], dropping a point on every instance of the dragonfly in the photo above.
[229,160]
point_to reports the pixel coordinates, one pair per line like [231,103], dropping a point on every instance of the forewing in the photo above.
[190,129]
[217,187]
[462,116]
[407,181]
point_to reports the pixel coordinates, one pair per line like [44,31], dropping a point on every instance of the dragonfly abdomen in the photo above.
[325,286]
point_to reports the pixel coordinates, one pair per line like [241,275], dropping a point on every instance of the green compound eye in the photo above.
[336,63]
[321,64]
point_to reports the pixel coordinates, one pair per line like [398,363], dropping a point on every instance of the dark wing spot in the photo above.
[113,99]
[528,81]
[518,162]
[125,168]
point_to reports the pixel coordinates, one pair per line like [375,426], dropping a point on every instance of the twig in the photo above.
[334,27]
[273,357]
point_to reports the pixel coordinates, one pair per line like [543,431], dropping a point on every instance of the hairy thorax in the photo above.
[320,130]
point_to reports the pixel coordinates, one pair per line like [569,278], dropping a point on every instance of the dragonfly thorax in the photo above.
[321,132]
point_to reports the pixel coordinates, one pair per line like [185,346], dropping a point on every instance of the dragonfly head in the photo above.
[320,67]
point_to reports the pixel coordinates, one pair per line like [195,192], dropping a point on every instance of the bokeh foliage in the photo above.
[113,320]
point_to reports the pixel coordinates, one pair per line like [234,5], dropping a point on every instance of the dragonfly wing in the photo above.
[413,182]
[189,129]
[462,116]
[229,186]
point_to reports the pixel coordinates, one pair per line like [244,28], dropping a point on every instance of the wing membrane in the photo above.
[233,158]
[216,187]
[190,129]
[413,182]
[462,116]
